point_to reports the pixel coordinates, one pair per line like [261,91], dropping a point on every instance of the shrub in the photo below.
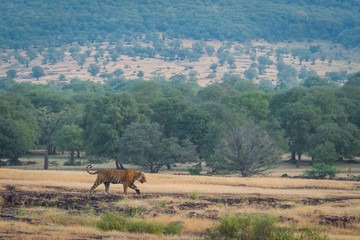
[134,211]
[173,228]
[194,195]
[195,170]
[113,221]
[321,171]
[257,227]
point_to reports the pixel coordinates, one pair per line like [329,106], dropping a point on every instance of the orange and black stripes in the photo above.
[116,176]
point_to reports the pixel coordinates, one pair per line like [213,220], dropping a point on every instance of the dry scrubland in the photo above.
[56,205]
[154,67]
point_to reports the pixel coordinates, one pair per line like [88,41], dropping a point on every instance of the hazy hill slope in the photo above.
[53,23]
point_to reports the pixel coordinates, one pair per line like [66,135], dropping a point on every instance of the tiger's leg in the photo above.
[125,187]
[133,186]
[107,186]
[96,184]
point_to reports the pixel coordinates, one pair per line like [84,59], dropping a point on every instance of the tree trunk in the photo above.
[78,154]
[14,161]
[46,158]
[168,166]
[298,161]
[72,158]
[293,158]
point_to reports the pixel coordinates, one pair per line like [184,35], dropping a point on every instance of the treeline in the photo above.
[44,23]
[235,125]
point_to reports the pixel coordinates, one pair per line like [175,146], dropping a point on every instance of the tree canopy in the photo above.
[50,23]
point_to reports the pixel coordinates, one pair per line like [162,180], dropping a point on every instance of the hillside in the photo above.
[330,58]
[54,23]
[202,40]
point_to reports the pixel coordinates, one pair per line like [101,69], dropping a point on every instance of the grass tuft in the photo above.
[194,195]
[258,227]
[113,221]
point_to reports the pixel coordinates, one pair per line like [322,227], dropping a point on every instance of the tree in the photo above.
[255,104]
[144,144]
[251,73]
[214,66]
[17,128]
[118,72]
[93,69]
[193,124]
[105,120]
[354,80]
[68,138]
[12,73]
[318,81]
[49,122]
[37,72]
[6,83]
[165,112]
[140,74]
[331,142]
[146,91]
[286,75]
[247,149]
[299,121]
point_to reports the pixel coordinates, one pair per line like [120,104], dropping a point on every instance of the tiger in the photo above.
[115,176]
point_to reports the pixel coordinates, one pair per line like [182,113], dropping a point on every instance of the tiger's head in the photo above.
[141,177]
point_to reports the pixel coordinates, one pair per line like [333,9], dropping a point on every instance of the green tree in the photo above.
[118,72]
[165,112]
[37,72]
[12,73]
[214,66]
[93,69]
[146,91]
[299,121]
[251,73]
[247,149]
[193,124]
[49,122]
[318,81]
[331,142]
[144,144]
[105,120]
[68,138]
[140,74]
[255,104]
[17,128]
[286,75]
[6,83]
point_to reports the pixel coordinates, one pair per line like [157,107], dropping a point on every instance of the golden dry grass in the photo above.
[288,191]
[166,183]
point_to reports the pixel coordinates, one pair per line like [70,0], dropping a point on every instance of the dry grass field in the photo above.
[55,204]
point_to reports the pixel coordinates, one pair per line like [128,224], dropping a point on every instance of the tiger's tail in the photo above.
[87,170]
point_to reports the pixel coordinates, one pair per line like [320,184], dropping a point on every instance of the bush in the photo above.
[257,227]
[321,171]
[113,221]
[194,195]
[195,170]
[173,228]
[134,211]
